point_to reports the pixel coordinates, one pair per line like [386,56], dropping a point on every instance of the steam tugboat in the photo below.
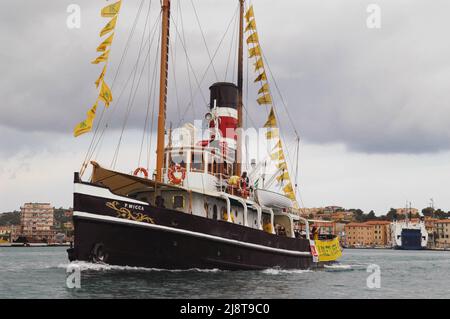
[199,209]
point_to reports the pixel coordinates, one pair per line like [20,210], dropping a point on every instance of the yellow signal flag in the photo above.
[283,177]
[102,58]
[277,155]
[255,51]
[250,14]
[105,94]
[105,44]
[261,77]
[278,145]
[82,127]
[272,134]
[251,25]
[271,120]
[259,64]
[288,189]
[86,125]
[282,165]
[253,38]
[264,89]
[91,113]
[109,26]
[111,10]
[101,77]
[291,196]
[266,99]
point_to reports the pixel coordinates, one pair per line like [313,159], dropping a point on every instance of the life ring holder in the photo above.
[171,174]
[141,170]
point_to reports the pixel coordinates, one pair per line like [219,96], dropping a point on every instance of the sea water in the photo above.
[41,272]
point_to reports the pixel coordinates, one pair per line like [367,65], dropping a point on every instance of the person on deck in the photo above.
[244,185]
[160,202]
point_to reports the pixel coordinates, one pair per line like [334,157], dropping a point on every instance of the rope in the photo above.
[204,40]
[206,71]
[132,95]
[91,148]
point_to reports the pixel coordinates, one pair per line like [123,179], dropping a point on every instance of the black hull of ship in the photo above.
[176,240]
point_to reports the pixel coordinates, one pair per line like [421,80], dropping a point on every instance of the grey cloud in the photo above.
[376,91]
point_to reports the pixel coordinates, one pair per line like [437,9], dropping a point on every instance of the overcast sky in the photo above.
[372,106]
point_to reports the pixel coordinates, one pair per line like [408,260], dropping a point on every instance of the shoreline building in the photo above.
[442,228]
[36,220]
[370,233]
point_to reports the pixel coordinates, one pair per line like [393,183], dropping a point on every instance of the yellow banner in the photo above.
[329,250]
[264,89]
[101,77]
[105,94]
[266,99]
[256,51]
[253,38]
[261,77]
[109,26]
[105,44]
[102,58]
[271,120]
[111,10]
[249,14]
[251,25]
[86,125]
[288,189]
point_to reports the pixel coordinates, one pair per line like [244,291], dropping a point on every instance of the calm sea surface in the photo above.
[41,273]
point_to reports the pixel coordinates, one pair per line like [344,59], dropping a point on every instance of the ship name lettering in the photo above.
[137,207]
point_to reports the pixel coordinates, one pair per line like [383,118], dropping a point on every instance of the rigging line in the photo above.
[206,71]
[231,48]
[129,109]
[90,152]
[246,118]
[186,56]
[131,97]
[173,54]
[127,82]
[148,97]
[188,60]
[296,163]
[128,42]
[281,96]
[154,104]
[174,79]
[204,39]
[275,110]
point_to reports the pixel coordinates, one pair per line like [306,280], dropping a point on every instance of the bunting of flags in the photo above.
[105,94]
[265,98]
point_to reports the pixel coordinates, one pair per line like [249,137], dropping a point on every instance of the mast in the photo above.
[163,88]
[240,88]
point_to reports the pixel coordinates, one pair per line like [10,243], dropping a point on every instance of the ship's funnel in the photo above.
[224,94]
[223,105]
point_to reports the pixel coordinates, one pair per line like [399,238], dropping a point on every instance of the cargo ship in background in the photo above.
[206,205]
[408,235]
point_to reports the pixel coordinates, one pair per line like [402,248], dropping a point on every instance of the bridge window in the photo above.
[197,162]
[178,201]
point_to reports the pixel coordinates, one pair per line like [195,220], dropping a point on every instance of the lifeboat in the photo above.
[272,199]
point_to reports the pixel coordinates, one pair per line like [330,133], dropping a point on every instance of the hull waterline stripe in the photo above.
[187,232]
